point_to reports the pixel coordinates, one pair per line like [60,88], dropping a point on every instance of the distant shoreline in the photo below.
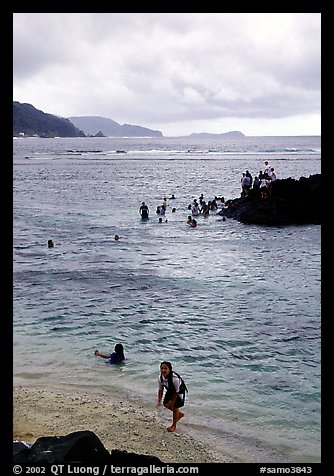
[189,136]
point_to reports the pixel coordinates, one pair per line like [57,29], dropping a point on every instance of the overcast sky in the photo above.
[179,73]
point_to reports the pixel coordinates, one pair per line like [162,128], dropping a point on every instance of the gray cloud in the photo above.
[192,69]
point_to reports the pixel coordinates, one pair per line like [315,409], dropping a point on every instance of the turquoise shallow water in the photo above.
[235,308]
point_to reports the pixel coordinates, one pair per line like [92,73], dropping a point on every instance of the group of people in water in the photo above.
[197,207]
[160,210]
[261,186]
[169,382]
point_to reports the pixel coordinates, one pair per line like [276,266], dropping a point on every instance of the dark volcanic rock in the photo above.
[124,457]
[21,451]
[81,447]
[78,447]
[291,202]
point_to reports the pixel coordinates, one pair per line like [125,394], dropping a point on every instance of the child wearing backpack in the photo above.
[175,392]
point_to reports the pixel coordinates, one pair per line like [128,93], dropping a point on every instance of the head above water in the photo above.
[119,349]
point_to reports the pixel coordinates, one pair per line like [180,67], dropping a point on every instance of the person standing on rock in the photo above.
[267,168]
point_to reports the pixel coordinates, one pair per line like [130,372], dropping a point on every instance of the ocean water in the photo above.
[235,308]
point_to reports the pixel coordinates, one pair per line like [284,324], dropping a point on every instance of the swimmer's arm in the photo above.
[104,356]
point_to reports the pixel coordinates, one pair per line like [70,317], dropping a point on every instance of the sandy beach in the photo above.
[119,424]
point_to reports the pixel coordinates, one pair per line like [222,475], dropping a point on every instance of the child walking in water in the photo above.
[175,392]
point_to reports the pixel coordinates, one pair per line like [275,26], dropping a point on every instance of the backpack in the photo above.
[183,386]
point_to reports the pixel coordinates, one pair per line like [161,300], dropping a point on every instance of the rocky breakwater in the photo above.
[290,202]
[79,447]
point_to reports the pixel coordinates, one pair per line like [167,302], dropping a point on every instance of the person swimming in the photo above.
[116,357]
[193,223]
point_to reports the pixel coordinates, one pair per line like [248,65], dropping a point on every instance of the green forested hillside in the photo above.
[29,121]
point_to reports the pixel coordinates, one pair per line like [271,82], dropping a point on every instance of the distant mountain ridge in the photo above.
[93,125]
[231,134]
[29,121]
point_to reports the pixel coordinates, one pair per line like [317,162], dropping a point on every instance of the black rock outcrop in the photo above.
[79,447]
[291,202]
